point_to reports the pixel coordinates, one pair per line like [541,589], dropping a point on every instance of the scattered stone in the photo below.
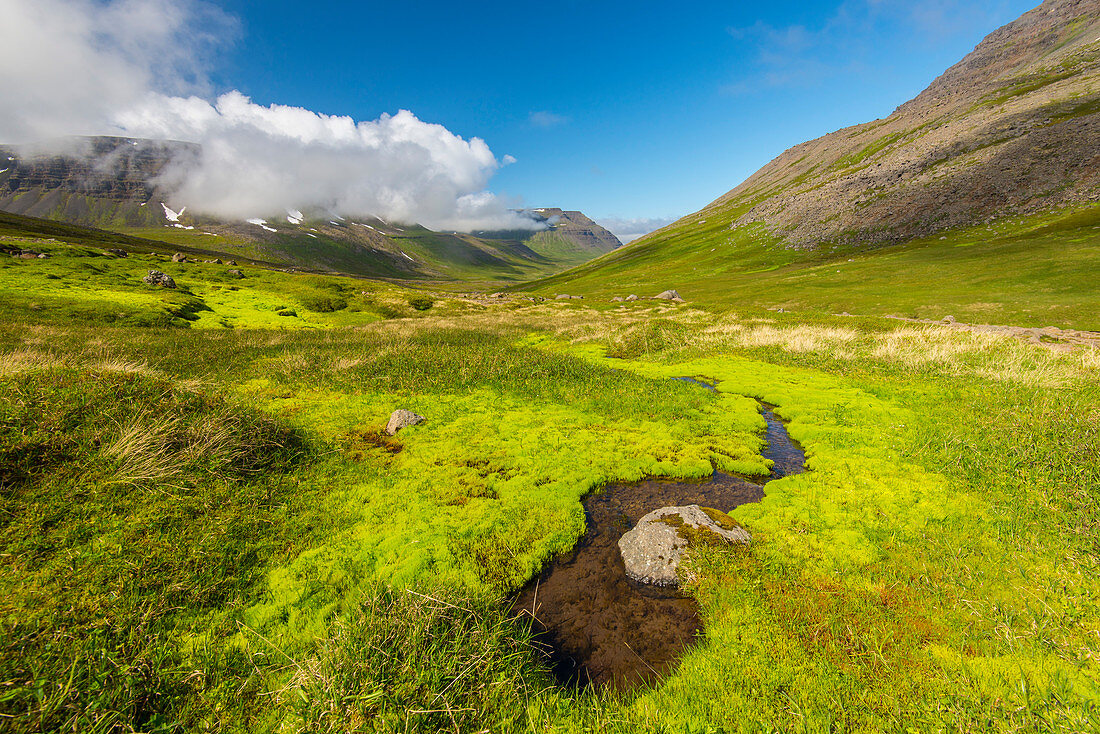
[157,278]
[27,255]
[179,257]
[402,418]
[845,313]
[632,297]
[117,252]
[669,295]
[948,319]
[217,261]
[236,273]
[232,262]
[562,297]
[617,299]
[653,550]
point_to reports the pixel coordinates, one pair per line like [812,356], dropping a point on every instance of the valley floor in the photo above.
[206,529]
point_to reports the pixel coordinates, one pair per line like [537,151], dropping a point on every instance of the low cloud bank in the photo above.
[129,68]
[631,229]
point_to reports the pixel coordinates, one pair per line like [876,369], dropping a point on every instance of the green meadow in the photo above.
[1038,270]
[205,528]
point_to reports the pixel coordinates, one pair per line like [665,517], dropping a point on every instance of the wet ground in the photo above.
[599,627]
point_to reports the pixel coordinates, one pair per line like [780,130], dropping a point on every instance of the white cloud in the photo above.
[127,67]
[631,229]
[847,42]
[543,118]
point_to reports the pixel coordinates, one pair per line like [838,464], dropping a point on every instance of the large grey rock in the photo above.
[401,418]
[653,550]
[669,295]
[632,297]
[179,257]
[562,297]
[155,277]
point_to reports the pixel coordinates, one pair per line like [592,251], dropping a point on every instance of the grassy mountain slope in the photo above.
[979,194]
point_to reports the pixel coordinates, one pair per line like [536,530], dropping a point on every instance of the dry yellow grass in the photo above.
[124,366]
[20,361]
[144,450]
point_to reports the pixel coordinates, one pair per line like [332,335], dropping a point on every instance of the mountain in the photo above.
[1010,129]
[1000,155]
[124,184]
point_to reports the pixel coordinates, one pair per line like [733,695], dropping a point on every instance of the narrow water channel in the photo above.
[600,628]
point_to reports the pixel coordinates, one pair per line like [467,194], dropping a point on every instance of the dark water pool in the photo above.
[600,628]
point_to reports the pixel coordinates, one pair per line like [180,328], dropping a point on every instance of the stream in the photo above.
[596,625]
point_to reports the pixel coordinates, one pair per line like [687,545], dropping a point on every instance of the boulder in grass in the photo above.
[632,297]
[402,418]
[653,550]
[235,273]
[669,295]
[617,299]
[157,278]
[562,297]
[179,257]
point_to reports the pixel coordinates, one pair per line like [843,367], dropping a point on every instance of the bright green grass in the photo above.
[934,570]
[85,285]
[1035,271]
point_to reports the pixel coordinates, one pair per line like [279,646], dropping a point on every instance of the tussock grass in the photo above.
[418,661]
[20,361]
[126,366]
[913,348]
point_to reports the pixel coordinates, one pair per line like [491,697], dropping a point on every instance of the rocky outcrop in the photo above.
[402,418]
[157,278]
[653,550]
[669,295]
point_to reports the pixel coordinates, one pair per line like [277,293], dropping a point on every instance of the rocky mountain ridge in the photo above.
[126,184]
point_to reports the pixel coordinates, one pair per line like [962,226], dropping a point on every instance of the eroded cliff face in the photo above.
[92,181]
[1012,128]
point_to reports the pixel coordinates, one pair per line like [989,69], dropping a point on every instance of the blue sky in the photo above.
[627,111]
[631,110]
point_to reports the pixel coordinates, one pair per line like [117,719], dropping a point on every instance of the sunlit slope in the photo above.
[1033,271]
[978,197]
